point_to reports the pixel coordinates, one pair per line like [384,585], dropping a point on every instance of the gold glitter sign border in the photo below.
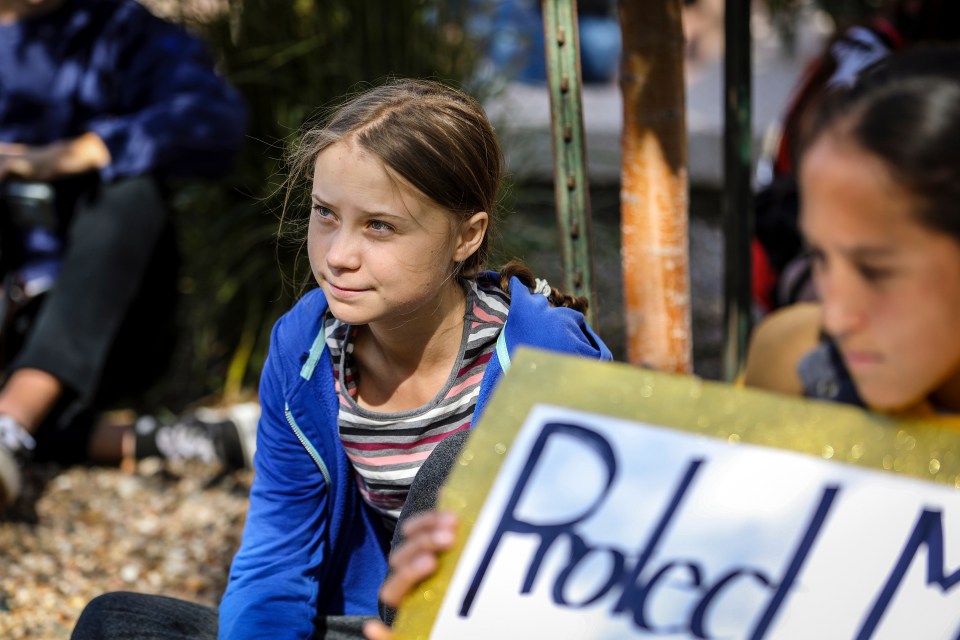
[927,450]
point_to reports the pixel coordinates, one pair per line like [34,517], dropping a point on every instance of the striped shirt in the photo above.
[387,449]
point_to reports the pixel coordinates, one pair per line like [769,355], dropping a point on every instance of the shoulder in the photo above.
[534,322]
[120,13]
[298,328]
[135,11]
[777,346]
[128,23]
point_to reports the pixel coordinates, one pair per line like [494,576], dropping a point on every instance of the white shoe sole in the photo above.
[246,416]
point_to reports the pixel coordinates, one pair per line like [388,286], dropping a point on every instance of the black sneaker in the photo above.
[227,436]
[16,448]
[234,432]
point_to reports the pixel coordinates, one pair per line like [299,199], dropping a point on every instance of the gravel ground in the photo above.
[84,531]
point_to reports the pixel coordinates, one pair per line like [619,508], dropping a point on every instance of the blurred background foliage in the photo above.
[289,58]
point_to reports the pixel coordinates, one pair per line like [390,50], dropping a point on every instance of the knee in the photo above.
[97,617]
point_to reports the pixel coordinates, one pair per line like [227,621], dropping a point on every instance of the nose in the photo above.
[343,251]
[842,303]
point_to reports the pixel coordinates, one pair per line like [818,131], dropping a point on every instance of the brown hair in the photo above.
[557,298]
[436,138]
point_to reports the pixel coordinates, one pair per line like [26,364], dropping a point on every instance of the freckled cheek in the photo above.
[318,247]
[420,259]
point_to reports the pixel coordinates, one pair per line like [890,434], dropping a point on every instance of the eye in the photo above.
[875,274]
[380,226]
[322,212]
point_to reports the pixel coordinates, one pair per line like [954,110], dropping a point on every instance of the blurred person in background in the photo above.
[100,101]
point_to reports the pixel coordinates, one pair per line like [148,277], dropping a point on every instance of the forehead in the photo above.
[346,155]
[349,176]
[845,188]
[347,170]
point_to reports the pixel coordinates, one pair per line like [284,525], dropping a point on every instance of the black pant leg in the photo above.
[107,329]
[111,240]
[135,616]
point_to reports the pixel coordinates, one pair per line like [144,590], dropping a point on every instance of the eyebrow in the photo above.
[867,253]
[372,214]
[856,251]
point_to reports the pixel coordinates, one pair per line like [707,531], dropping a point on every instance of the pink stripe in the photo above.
[474,379]
[381,500]
[483,315]
[388,460]
[380,446]
[484,359]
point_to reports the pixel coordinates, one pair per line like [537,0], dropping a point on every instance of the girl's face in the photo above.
[380,250]
[890,286]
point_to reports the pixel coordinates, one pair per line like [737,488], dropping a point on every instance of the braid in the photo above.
[516,268]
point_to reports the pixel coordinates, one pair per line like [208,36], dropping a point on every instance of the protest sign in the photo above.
[602,501]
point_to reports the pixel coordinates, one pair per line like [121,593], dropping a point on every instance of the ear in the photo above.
[470,235]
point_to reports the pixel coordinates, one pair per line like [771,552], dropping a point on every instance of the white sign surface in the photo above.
[603,528]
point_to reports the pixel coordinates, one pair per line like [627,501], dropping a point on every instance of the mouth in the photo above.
[856,359]
[343,292]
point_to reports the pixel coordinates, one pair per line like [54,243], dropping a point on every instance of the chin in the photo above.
[891,402]
[346,313]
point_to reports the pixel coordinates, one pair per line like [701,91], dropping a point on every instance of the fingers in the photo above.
[416,559]
[376,630]
[12,149]
[9,155]
[48,162]
[406,576]
[15,166]
[15,161]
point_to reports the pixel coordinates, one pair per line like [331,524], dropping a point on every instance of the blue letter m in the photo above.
[929,532]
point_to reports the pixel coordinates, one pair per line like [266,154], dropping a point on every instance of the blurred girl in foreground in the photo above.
[880,179]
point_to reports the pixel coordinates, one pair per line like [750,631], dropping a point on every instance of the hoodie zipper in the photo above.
[306,444]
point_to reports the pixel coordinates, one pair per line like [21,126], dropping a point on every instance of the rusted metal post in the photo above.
[737,194]
[571,183]
[654,187]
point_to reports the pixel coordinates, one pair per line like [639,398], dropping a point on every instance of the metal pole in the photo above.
[571,184]
[737,195]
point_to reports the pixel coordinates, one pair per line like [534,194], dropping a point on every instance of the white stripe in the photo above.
[483,334]
[400,474]
[432,414]
[494,303]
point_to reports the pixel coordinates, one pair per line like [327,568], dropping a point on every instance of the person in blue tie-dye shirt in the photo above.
[100,101]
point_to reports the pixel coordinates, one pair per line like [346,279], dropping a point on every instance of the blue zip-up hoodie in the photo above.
[310,544]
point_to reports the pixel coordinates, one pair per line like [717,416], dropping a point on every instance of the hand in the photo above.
[426,535]
[55,160]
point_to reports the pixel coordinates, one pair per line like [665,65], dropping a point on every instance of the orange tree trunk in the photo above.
[653,197]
